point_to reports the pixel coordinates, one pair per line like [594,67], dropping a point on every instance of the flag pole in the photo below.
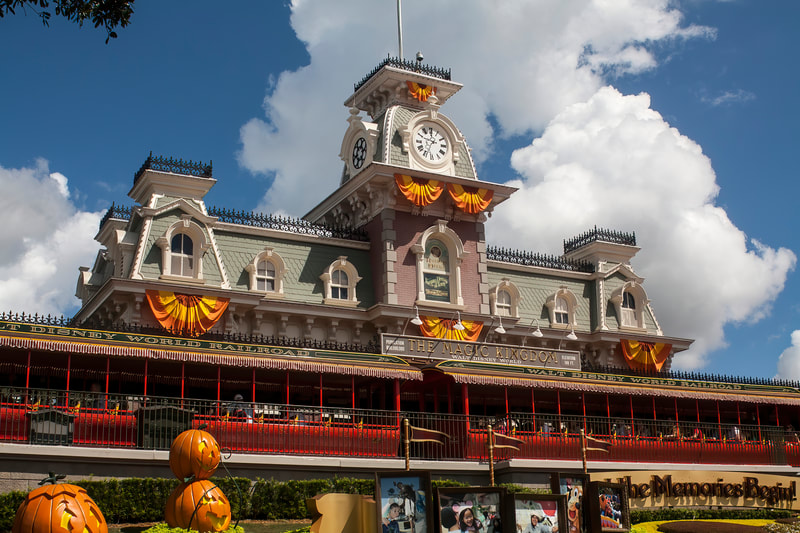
[491,456]
[400,29]
[583,451]
[407,444]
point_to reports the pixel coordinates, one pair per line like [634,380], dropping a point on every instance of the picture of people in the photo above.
[543,513]
[404,502]
[572,486]
[474,509]
[610,509]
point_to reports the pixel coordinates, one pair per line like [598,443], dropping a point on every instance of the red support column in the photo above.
[558,404]
[28,372]
[533,410]
[353,392]
[465,398]
[145,381]
[583,404]
[287,387]
[183,380]
[396,401]
[633,423]
[108,370]
[719,421]
[758,421]
[253,382]
[450,396]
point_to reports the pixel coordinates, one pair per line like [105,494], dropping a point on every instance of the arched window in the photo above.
[504,299]
[503,303]
[266,273]
[439,253]
[561,311]
[629,309]
[340,280]
[182,255]
[339,284]
[182,248]
[562,307]
[629,301]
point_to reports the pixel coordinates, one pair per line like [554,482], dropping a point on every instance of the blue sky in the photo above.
[671,119]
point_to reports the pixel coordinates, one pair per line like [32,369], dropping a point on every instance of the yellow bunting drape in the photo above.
[421,192]
[645,355]
[420,91]
[469,199]
[183,314]
[442,328]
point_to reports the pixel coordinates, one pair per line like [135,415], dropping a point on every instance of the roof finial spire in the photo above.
[400,29]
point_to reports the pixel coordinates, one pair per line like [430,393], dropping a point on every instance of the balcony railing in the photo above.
[50,417]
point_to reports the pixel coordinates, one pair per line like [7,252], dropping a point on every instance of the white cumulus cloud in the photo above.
[614,162]
[45,239]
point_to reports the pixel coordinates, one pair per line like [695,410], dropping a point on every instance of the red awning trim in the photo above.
[477,379]
[270,363]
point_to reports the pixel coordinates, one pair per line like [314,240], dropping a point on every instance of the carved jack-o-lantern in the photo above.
[199,505]
[59,508]
[194,453]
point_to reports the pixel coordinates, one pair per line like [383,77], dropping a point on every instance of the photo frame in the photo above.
[573,486]
[469,509]
[547,509]
[607,508]
[404,502]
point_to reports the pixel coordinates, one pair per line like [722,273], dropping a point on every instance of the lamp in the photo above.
[537,332]
[417,321]
[458,325]
[500,329]
[569,336]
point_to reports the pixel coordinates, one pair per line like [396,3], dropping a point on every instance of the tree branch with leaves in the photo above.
[106,13]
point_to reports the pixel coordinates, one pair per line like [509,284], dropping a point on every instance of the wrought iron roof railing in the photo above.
[292,225]
[411,66]
[605,235]
[536,259]
[119,212]
[176,166]
[247,218]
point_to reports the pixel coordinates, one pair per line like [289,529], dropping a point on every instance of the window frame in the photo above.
[200,245]
[505,286]
[568,297]
[271,257]
[343,265]
[455,254]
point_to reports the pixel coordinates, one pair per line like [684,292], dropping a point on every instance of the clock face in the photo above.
[431,144]
[359,152]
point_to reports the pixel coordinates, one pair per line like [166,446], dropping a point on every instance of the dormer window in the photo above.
[266,273]
[562,307]
[182,248]
[629,302]
[628,309]
[340,280]
[504,299]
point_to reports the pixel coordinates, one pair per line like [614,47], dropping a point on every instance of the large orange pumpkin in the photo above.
[201,499]
[59,508]
[194,453]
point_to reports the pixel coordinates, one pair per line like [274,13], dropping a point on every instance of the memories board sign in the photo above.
[449,350]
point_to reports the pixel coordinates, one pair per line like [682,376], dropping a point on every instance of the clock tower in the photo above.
[409,181]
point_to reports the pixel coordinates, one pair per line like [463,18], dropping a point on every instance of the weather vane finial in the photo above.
[400,28]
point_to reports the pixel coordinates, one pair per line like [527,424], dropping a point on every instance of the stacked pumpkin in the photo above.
[196,503]
[56,507]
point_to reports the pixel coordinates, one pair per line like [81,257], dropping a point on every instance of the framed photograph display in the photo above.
[572,486]
[473,509]
[404,502]
[537,513]
[607,507]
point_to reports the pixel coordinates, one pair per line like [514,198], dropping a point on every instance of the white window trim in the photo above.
[572,306]
[641,301]
[200,246]
[271,256]
[505,285]
[352,280]
[455,250]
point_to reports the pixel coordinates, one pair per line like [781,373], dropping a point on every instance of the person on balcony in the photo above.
[239,409]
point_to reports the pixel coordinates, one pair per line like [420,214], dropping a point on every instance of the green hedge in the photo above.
[647,515]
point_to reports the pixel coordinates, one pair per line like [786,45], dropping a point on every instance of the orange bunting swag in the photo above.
[442,328]
[420,192]
[419,91]
[645,355]
[182,314]
[469,199]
